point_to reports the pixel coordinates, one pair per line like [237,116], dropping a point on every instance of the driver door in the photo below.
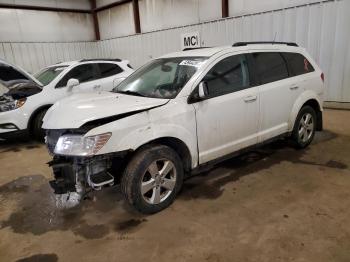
[227,119]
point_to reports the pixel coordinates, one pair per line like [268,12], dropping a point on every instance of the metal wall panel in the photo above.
[321,27]
[34,56]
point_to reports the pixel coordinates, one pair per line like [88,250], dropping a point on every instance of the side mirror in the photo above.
[72,83]
[203,91]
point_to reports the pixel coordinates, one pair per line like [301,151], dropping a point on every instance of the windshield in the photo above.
[161,78]
[46,75]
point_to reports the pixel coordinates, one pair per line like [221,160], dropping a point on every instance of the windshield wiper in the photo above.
[129,92]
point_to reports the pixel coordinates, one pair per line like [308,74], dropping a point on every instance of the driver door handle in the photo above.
[97,86]
[249,99]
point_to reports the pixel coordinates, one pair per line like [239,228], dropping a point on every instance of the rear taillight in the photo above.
[322,77]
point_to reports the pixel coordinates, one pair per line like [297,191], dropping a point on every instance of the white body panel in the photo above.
[210,128]
[50,94]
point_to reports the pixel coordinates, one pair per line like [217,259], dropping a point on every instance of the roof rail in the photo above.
[264,42]
[101,59]
[194,48]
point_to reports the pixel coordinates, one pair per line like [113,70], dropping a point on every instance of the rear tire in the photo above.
[152,179]
[304,127]
[37,132]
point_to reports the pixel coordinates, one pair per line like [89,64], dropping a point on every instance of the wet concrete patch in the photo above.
[209,185]
[91,231]
[38,214]
[128,225]
[40,258]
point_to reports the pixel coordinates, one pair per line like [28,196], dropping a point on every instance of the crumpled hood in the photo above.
[78,109]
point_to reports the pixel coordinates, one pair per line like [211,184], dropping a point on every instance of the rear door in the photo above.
[88,76]
[228,119]
[275,92]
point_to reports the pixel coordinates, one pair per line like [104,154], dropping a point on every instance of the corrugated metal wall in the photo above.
[34,56]
[322,28]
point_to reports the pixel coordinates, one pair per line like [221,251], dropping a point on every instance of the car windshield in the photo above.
[46,75]
[161,78]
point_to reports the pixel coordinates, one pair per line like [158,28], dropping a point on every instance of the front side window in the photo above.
[109,69]
[47,75]
[84,73]
[298,64]
[270,67]
[227,76]
[161,78]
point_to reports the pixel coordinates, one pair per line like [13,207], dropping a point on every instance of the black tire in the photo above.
[36,130]
[136,171]
[298,139]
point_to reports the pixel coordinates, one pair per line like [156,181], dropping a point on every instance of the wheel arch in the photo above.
[177,145]
[309,99]
[35,113]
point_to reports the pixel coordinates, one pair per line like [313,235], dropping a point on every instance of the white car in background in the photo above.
[180,114]
[26,99]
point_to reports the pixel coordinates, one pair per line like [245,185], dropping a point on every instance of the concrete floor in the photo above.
[275,204]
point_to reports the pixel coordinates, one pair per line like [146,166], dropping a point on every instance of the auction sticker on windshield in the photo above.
[194,63]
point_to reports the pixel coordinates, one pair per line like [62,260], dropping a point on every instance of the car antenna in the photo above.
[274,38]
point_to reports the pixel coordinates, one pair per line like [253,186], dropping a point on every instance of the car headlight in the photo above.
[12,105]
[77,145]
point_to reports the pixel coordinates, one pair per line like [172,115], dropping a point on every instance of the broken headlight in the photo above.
[12,105]
[77,145]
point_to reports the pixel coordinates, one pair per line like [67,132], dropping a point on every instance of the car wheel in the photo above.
[152,179]
[304,127]
[37,131]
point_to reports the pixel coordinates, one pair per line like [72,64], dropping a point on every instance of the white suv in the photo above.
[181,113]
[27,98]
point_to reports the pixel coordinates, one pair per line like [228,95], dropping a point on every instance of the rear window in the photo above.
[270,67]
[109,69]
[298,64]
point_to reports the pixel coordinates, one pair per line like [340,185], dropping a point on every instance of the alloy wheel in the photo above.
[158,182]
[306,127]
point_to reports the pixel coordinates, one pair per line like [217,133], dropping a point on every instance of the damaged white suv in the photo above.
[180,113]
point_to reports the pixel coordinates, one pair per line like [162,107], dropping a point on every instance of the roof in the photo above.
[197,52]
[242,46]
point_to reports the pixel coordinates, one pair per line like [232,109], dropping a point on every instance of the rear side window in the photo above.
[227,76]
[84,73]
[298,64]
[8,73]
[270,67]
[108,69]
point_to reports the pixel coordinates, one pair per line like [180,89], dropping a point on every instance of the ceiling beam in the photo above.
[225,10]
[101,8]
[43,8]
[95,20]
[135,5]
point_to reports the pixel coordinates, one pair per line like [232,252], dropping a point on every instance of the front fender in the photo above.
[302,99]
[135,131]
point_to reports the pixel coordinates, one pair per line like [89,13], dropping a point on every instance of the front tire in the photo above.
[152,179]
[304,127]
[37,131]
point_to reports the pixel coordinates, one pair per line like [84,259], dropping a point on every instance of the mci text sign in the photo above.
[190,40]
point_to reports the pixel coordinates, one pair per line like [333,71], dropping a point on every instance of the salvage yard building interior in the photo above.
[274,194]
